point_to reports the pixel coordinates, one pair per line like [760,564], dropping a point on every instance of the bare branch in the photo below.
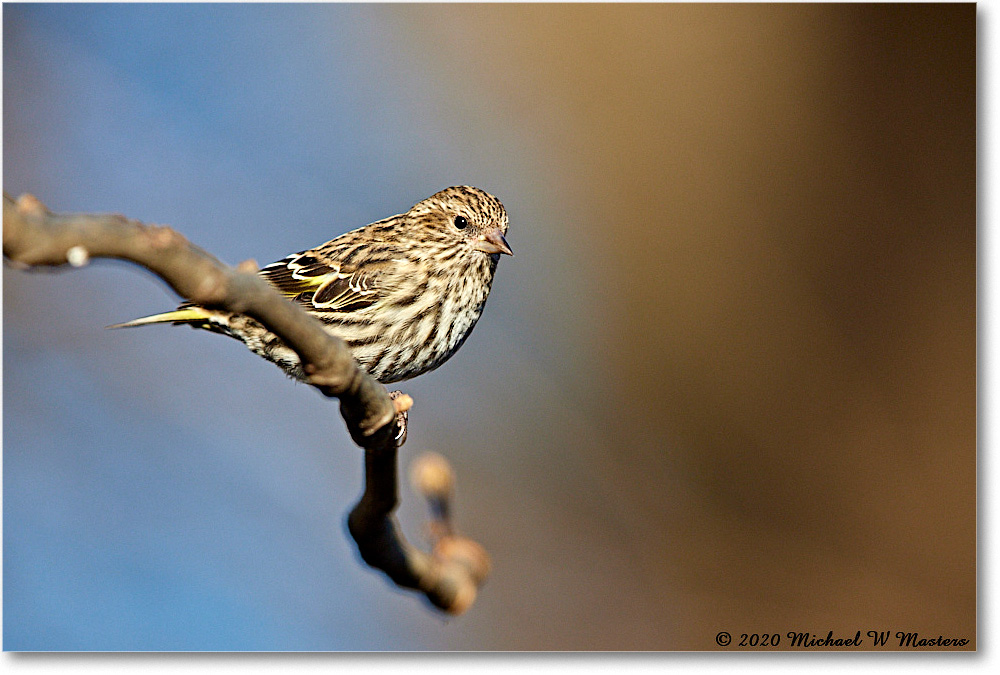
[34,236]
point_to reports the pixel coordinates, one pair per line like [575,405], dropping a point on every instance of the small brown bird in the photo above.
[403,293]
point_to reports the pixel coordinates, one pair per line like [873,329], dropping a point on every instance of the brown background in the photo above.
[773,218]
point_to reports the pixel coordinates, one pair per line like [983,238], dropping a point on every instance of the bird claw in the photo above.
[401,416]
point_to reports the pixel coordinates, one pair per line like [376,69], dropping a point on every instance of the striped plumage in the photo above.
[403,293]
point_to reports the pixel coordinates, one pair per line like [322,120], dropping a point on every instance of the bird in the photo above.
[404,293]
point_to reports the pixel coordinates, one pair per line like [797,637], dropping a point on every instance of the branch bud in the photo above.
[432,476]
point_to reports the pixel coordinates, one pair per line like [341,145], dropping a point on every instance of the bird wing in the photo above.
[325,286]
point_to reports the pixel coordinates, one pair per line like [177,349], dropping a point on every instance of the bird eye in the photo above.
[461,223]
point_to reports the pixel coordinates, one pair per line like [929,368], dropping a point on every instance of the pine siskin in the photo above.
[403,293]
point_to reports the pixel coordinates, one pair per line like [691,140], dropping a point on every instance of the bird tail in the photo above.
[186,315]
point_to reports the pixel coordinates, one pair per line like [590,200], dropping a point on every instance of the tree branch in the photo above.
[450,576]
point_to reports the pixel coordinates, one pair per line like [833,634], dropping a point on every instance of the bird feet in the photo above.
[402,403]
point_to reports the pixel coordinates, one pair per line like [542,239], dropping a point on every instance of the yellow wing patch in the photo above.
[323,286]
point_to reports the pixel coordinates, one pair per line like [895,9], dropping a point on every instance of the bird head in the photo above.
[466,217]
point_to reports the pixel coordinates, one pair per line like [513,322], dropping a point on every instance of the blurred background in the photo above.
[727,383]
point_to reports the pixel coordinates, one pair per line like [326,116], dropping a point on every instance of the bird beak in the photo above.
[492,241]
